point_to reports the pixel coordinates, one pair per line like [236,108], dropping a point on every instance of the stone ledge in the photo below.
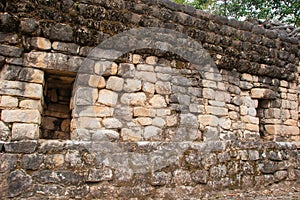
[28,146]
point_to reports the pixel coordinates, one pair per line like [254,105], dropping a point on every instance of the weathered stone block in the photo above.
[105,135]
[112,123]
[132,85]
[158,101]
[9,102]
[4,131]
[152,133]
[144,121]
[98,175]
[163,87]
[94,111]
[18,183]
[143,67]
[115,83]
[133,134]
[10,51]
[108,97]
[66,47]
[218,111]
[151,60]
[105,68]
[15,88]
[149,87]
[86,96]
[262,93]
[26,116]
[25,131]
[160,178]
[141,112]
[200,176]
[40,43]
[31,161]
[146,76]
[135,99]
[21,146]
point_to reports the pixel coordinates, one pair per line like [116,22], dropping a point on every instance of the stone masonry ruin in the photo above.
[97,103]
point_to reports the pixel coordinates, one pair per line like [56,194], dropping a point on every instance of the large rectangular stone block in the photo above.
[25,131]
[25,116]
[16,88]
[10,51]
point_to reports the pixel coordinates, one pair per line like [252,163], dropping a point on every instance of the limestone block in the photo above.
[86,123]
[208,120]
[196,108]
[250,119]
[105,135]
[291,122]
[247,77]
[108,97]
[112,123]
[4,131]
[25,131]
[31,104]
[282,130]
[209,93]
[93,111]
[98,175]
[10,51]
[126,70]
[151,60]
[135,99]
[252,127]
[97,81]
[245,85]
[26,116]
[211,134]
[233,115]
[148,87]
[86,96]
[212,76]
[144,121]
[218,111]
[9,102]
[115,83]
[158,101]
[66,47]
[141,112]
[40,43]
[31,75]
[162,112]
[188,120]
[132,85]
[209,84]
[159,122]
[164,77]
[136,59]
[163,87]
[252,112]
[225,123]
[146,76]
[144,67]
[133,134]
[222,96]
[273,113]
[16,88]
[216,103]
[152,132]
[262,93]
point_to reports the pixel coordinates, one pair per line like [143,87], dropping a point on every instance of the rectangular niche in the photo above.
[57,113]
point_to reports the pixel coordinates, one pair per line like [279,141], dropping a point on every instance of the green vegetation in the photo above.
[285,11]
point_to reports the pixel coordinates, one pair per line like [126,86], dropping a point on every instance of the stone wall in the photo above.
[149,123]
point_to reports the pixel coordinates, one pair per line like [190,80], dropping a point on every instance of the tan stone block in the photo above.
[115,83]
[291,122]
[163,87]
[9,102]
[225,123]
[208,120]
[218,111]
[133,135]
[106,68]
[262,93]
[87,123]
[144,121]
[149,87]
[247,77]
[40,43]
[151,60]
[209,84]
[233,115]
[93,111]
[136,59]
[172,120]
[141,112]
[209,93]
[252,127]
[282,130]
[135,99]
[108,97]
[16,88]
[272,121]
[25,131]
[284,83]
[132,85]
[158,101]
[26,116]
[250,119]
[96,81]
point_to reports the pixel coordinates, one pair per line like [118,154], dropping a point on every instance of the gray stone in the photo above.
[182,177]
[29,25]
[26,116]
[60,32]
[200,176]
[135,99]
[163,87]
[253,155]
[275,156]
[211,134]
[8,162]
[59,177]
[108,97]
[86,96]
[21,147]
[152,132]
[10,51]
[98,175]
[112,123]
[158,101]
[4,131]
[115,83]
[32,161]
[218,171]
[280,175]
[25,131]
[268,167]
[160,178]
[188,120]
[132,85]
[105,135]
[18,182]
[66,47]
[146,76]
